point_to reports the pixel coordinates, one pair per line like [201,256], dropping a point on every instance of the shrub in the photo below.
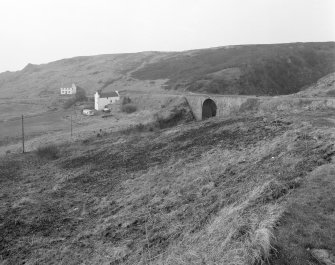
[126,100]
[128,108]
[174,118]
[79,96]
[140,127]
[50,151]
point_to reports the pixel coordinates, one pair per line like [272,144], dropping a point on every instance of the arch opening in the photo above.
[209,109]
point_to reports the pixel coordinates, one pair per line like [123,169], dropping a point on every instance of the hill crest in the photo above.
[265,69]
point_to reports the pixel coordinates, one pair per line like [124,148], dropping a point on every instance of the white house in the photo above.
[68,90]
[101,99]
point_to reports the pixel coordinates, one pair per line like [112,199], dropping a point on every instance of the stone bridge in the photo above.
[206,106]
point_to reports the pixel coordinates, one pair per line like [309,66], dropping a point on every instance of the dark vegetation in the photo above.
[78,97]
[177,115]
[276,69]
[49,151]
[127,106]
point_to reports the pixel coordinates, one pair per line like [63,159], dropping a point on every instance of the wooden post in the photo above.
[22,136]
[71,124]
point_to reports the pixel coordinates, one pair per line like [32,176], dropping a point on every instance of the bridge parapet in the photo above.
[227,105]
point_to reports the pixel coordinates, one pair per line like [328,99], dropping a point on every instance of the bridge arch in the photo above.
[209,109]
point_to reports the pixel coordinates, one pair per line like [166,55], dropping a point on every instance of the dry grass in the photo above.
[239,234]
[211,192]
[308,221]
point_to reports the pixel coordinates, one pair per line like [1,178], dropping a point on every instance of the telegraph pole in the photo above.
[22,136]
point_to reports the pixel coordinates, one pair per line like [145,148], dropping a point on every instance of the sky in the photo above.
[40,31]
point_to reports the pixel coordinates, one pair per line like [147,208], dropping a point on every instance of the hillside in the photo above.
[89,72]
[248,69]
[237,190]
[276,69]
[324,87]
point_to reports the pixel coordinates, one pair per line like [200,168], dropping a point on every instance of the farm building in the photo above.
[102,99]
[68,90]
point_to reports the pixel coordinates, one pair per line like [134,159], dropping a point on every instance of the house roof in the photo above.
[108,94]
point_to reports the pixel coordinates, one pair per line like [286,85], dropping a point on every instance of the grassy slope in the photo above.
[324,87]
[309,219]
[275,69]
[35,89]
[89,72]
[211,192]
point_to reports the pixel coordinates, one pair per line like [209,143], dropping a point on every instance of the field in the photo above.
[247,189]
[36,125]
[13,108]
[55,125]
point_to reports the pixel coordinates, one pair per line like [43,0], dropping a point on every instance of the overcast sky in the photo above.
[40,31]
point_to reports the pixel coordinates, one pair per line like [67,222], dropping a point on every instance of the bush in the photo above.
[78,97]
[128,108]
[174,118]
[50,151]
[126,100]
[81,94]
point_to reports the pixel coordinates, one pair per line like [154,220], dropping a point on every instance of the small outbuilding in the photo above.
[102,99]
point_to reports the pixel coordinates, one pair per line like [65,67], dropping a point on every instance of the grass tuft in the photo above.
[50,151]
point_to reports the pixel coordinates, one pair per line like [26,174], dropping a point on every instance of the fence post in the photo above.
[22,136]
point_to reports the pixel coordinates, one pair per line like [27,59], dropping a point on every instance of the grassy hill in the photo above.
[240,190]
[249,69]
[89,72]
[36,88]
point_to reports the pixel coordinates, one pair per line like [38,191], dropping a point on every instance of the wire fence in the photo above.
[22,128]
